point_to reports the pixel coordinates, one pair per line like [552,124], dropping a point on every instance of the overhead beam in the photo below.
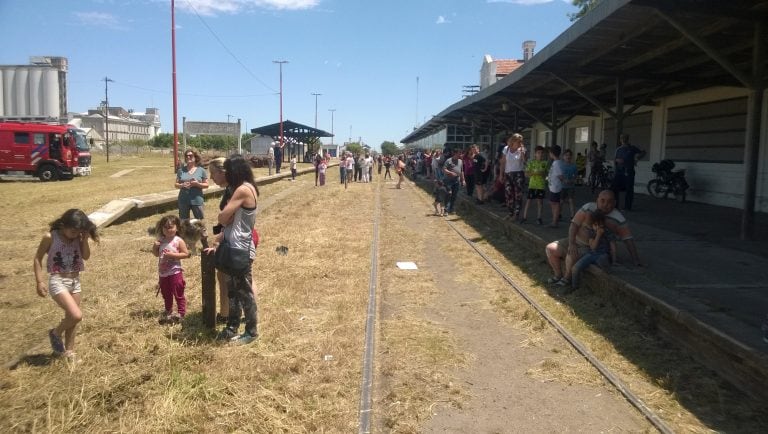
[597,74]
[754,115]
[603,51]
[713,8]
[585,95]
[667,48]
[707,48]
[535,117]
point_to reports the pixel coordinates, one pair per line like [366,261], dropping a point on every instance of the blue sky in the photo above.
[363,56]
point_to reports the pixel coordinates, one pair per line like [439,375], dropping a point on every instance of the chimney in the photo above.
[528,47]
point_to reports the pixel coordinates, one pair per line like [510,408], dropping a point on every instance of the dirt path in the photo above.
[503,395]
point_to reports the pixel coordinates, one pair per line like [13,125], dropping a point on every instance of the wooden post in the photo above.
[208,277]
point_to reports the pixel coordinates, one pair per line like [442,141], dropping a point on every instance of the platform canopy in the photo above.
[636,50]
[293,131]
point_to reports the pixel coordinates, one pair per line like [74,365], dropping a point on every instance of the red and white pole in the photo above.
[175,104]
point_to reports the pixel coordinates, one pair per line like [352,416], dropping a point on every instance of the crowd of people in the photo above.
[508,175]
[517,180]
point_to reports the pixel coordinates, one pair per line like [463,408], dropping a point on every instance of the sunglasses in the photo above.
[190,155]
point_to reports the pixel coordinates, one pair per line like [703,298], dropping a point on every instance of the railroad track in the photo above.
[366,410]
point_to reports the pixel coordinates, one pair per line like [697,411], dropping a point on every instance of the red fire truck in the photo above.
[49,152]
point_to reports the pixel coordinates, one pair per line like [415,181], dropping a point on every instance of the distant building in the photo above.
[260,145]
[34,92]
[124,125]
[494,70]
[332,150]
[152,116]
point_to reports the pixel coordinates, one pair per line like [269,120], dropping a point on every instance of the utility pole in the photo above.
[316,95]
[228,118]
[416,124]
[331,110]
[106,114]
[175,99]
[280,62]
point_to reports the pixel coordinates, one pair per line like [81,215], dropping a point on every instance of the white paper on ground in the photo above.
[407,266]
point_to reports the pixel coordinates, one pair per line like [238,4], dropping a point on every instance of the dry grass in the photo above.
[136,376]
[417,359]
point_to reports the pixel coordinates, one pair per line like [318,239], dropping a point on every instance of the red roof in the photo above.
[505,66]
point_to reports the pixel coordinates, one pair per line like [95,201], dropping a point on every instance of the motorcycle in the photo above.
[667,181]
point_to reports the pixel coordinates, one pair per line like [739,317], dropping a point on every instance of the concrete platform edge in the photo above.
[740,364]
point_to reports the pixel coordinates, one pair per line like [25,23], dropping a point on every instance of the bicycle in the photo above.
[601,177]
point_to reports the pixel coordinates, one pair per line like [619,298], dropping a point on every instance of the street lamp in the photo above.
[106,114]
[280,62]
[316,95]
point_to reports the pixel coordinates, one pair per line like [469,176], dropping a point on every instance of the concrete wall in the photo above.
[260,145]
[711,182]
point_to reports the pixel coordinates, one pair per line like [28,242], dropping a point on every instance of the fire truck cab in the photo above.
[49,152]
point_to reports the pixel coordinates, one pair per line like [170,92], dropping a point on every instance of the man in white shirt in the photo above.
[556,179]
[271,157]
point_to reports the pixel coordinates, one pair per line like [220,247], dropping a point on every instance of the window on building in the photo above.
[544,138]
[581,135]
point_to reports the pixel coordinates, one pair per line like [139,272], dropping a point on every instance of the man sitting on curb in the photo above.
[614,222]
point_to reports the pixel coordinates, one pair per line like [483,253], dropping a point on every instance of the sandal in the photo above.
[56,343]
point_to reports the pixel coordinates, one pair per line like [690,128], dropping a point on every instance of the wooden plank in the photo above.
[208,277]
[110,212]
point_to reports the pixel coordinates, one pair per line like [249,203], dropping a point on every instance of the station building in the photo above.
[686,80]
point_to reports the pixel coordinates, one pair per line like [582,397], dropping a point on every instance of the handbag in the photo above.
[231,260]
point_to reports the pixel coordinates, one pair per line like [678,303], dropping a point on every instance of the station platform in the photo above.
[701,286]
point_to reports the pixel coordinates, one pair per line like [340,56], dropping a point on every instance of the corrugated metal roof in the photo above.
[656,47]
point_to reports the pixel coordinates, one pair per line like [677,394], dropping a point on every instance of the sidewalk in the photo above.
[693,252]
[702,287]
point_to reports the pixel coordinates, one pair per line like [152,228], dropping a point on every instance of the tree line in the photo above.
[222,143]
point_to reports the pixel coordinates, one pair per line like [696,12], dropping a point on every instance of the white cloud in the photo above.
[99,19]
[212,7]
[442,20]
[522,2]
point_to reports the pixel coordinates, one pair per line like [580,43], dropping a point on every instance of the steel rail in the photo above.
[370,327]
[610,376]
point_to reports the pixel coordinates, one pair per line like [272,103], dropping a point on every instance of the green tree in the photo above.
[584,7]
[389,148]
[313,144]
[163,140]
[354,147]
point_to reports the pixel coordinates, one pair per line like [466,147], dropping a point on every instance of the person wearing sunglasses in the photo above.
[191,179]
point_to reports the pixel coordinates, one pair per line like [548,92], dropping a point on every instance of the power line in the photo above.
[188,94]
[228,50]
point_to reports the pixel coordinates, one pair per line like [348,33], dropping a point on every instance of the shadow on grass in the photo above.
[36,360]
[193,331]
[717,404]
[143,314]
